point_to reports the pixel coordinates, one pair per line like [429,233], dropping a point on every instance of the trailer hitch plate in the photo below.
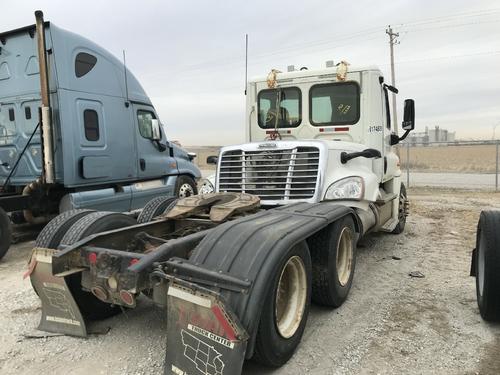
[203,337]
[60,313]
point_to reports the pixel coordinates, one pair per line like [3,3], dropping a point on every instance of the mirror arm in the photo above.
[404,135]
[161,146]
[395,139]
[345,157]
[391,88]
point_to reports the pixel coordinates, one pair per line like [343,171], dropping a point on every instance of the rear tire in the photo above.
[185,187]
[488,265]
[333,254]
[5,233]
[155,207]
[51,235]
[90,306]
[285,309]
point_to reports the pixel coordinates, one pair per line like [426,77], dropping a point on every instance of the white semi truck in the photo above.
[237,269]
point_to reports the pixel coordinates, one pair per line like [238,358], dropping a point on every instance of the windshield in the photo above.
[287,100]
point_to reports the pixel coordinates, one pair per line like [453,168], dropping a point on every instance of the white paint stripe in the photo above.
[179,293]
[43,255]
[58,319]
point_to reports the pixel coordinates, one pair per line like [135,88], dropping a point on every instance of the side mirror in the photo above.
[155,128]
[409,115]
[212,159]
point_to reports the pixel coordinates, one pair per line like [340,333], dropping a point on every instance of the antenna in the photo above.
[125,73]
[246,62]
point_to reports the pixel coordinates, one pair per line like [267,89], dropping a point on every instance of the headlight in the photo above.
[347,188]
[206,187]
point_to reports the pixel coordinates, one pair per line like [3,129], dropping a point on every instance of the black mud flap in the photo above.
[473,262]
[60,313]
[203,336]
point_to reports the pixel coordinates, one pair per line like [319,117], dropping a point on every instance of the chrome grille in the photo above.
[288,174]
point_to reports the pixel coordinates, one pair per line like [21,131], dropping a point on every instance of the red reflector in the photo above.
[321,130]
[230,334]
[92,258]
[127,297]
[133,261]
[346,129]
[288,132]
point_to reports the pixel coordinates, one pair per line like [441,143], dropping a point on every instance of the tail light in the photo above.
[100,293]
[127,297]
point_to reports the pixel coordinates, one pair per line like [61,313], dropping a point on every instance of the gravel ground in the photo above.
[391,324]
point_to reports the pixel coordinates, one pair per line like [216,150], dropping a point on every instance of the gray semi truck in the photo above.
[77,131]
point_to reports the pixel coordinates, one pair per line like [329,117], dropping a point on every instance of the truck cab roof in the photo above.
[19,65]
[306,73]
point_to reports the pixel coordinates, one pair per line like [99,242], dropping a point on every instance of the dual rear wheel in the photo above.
[70,227]
[322,269]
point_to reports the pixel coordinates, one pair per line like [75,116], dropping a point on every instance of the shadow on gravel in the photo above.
[490,363]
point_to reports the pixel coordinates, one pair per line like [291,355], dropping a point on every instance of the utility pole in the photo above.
[392,42]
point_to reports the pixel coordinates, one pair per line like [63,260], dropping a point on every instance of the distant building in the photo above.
[431,136]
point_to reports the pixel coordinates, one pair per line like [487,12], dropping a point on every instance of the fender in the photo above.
[245,254]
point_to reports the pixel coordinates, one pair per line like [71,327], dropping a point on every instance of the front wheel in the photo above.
[488,265]
[285,309]
[402,210]
[185,187]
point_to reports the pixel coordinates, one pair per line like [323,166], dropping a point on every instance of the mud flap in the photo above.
[203,336]
[60,313]
[473,262]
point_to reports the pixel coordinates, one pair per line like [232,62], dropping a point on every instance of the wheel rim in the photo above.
[480,266]
[185,191]
[344,256]
[291,297]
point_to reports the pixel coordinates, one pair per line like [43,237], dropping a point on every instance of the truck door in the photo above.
[152,161]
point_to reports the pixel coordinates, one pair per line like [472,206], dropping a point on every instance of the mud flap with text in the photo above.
[203,337]
[60,313]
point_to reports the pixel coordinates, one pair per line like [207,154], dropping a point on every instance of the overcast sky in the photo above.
[189,55]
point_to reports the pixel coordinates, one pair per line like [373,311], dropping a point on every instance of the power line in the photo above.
[486,53]
[486,12]
[362,35]
[451,26]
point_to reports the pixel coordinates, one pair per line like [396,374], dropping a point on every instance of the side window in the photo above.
[334,104]
[7,122]
[84,63]
[144,119]
[91,125]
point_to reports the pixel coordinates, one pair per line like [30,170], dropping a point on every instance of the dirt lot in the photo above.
[391,324]
[465,159]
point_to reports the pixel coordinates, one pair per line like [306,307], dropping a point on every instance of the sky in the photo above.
[190,55]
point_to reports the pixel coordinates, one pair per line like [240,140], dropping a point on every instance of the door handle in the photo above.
[142,164]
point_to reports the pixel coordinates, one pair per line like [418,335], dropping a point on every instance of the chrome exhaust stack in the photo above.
[46,118]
